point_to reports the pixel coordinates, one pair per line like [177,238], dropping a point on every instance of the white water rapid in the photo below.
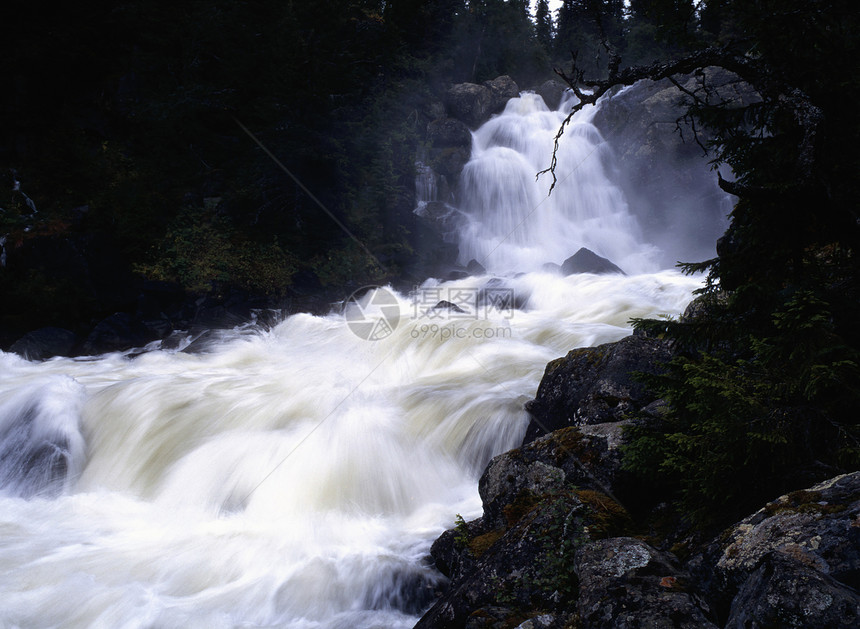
[296,477]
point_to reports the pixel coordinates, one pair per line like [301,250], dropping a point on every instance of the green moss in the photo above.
[552,365]
[607,517]
[482,543]
[803,501]
[524,502]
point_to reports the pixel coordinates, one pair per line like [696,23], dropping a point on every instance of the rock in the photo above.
[448,132]
[594,385]
[447,305]
[503,89]
[449,162]
[547,465]
[702,307]
[526,566]
[624,584]
[45,343]
[551,91]
[474,104]
[116,333]
[818,527]
[785,592]
[664,169]
[475,268]
[586,261]
[541,503]
[499,294]
[469,103]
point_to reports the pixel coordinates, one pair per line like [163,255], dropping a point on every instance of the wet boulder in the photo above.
[449,132]
[552,92]
[593,385]
[502,88]
[45,343]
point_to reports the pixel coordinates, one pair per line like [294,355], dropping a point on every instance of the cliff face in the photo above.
[568,540]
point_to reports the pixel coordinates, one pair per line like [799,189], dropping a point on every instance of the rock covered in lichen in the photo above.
[818,527]
[542,502]
[803,545]
[562,459]
[624,583]
[784,592]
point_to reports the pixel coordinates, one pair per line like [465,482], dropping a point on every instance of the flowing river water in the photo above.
[296,476]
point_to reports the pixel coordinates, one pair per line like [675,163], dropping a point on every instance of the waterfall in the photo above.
[514,224]
[296,476]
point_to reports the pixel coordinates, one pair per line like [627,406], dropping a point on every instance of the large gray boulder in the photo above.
[470,103]
[503,89]
[449,132]
[552,92]
[816,527]
[473,104]
[594,385]
[784,592]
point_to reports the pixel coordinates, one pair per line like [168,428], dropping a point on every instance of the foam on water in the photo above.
[296,477]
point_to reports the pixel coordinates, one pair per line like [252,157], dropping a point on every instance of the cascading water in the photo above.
[296,477]
[514,224]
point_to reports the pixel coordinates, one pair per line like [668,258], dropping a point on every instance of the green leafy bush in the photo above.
[203,253]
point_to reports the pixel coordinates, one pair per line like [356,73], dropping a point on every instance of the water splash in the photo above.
[294,477]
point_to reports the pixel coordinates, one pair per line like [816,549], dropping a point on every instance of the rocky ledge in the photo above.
[556,546]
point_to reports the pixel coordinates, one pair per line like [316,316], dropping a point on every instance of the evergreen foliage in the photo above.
[764,392]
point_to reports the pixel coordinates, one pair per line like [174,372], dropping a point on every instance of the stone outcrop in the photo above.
[625,583]
[547,551]
[795,562]
[594,385]
[555,548]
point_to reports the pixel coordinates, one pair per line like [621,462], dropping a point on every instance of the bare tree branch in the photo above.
[807,116]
